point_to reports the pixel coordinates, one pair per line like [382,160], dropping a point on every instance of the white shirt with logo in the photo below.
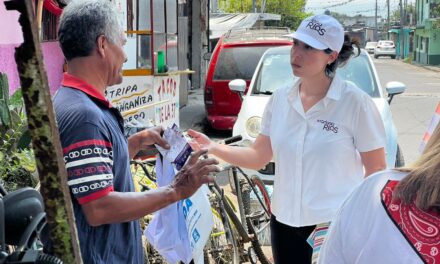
[363,233]
[317,153]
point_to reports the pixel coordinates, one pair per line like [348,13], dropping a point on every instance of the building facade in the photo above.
[427,34]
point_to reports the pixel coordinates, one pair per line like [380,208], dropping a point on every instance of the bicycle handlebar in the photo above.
[233,139]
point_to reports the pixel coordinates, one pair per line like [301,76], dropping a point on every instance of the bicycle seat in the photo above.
[21,208]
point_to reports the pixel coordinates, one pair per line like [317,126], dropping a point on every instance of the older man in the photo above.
[96,153]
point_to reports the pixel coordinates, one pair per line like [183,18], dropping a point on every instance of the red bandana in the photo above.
[421,229]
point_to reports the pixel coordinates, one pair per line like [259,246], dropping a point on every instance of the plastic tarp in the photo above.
[220,23]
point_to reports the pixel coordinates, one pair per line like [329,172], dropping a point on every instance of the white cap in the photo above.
[320,32]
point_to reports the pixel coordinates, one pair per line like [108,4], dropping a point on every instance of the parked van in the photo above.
[236,56]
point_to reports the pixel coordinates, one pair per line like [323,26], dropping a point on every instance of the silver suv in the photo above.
[385,48]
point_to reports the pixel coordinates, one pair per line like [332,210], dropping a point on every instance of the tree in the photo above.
[409,9]
[291,11]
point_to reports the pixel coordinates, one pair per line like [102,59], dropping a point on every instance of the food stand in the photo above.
[149,95]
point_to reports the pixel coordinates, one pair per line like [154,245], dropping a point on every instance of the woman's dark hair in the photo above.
[347,51]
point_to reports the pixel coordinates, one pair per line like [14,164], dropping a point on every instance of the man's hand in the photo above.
[194,174]
[146,139]
[152,136]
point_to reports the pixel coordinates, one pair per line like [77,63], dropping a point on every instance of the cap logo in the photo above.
[315,25]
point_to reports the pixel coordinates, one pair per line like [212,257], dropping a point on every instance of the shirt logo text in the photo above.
[328,126]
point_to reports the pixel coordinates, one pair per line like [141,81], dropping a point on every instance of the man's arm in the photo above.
[117,207]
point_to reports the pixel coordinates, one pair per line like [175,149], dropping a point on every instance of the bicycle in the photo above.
[230,232]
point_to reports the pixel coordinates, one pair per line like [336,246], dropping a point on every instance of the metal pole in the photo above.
[388,19]
[375,23]
[254,6]
[401,30]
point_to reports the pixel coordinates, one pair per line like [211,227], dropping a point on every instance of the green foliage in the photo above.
[17,161]
[409,59]
[291,11]
[409,9]
[435,11]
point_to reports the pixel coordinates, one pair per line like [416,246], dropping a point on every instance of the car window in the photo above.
[386,43]
[238,62]
[359,71]
[371,44]
[275,72]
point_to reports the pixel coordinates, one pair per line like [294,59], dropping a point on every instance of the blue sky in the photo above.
[353,7]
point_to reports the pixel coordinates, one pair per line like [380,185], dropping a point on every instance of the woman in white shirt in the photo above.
[393,217]
[322,133]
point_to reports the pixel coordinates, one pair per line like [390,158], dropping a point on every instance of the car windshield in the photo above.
[386,43]
[275,72]
[238,62]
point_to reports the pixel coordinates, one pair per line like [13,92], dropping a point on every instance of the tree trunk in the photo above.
[45,137]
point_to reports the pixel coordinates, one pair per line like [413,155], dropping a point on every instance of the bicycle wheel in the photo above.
[148,167]
[257,220]
[222,246]
[256,180]
[47,259]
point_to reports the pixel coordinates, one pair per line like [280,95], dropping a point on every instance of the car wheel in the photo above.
[393,57]
[400,161]
[375,56]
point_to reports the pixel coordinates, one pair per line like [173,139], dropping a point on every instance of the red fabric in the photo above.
[95,195]
[52,7]
[421,229]
[86,143]
[75,82]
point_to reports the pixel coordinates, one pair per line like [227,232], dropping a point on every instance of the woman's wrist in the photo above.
[214,148]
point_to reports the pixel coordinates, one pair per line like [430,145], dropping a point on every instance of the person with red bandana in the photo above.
[392,217]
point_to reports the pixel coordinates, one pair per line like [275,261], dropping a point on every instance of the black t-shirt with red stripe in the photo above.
[97,162]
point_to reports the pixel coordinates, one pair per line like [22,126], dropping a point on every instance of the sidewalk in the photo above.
[435,68]
[193,114]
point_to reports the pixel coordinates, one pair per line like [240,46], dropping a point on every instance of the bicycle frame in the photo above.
[244,227]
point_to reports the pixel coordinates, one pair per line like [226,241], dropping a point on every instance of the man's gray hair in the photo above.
[82,22]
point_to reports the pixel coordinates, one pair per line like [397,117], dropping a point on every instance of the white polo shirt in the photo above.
[316,153]
[363,233]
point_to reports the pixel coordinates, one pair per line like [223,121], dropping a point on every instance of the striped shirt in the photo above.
[97,162]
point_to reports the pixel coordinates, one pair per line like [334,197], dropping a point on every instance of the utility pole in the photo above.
[388,19]
[375,23]
[402,37]
[214,6]
[254,6]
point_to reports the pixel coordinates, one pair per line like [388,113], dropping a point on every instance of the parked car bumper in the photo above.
[222,122]
[385,53]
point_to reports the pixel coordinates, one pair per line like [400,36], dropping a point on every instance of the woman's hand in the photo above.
[199,141]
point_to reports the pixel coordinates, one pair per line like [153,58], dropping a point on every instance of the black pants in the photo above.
[289,244]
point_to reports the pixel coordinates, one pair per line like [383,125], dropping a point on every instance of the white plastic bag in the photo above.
[167,231]
[199,221]
[180,231]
